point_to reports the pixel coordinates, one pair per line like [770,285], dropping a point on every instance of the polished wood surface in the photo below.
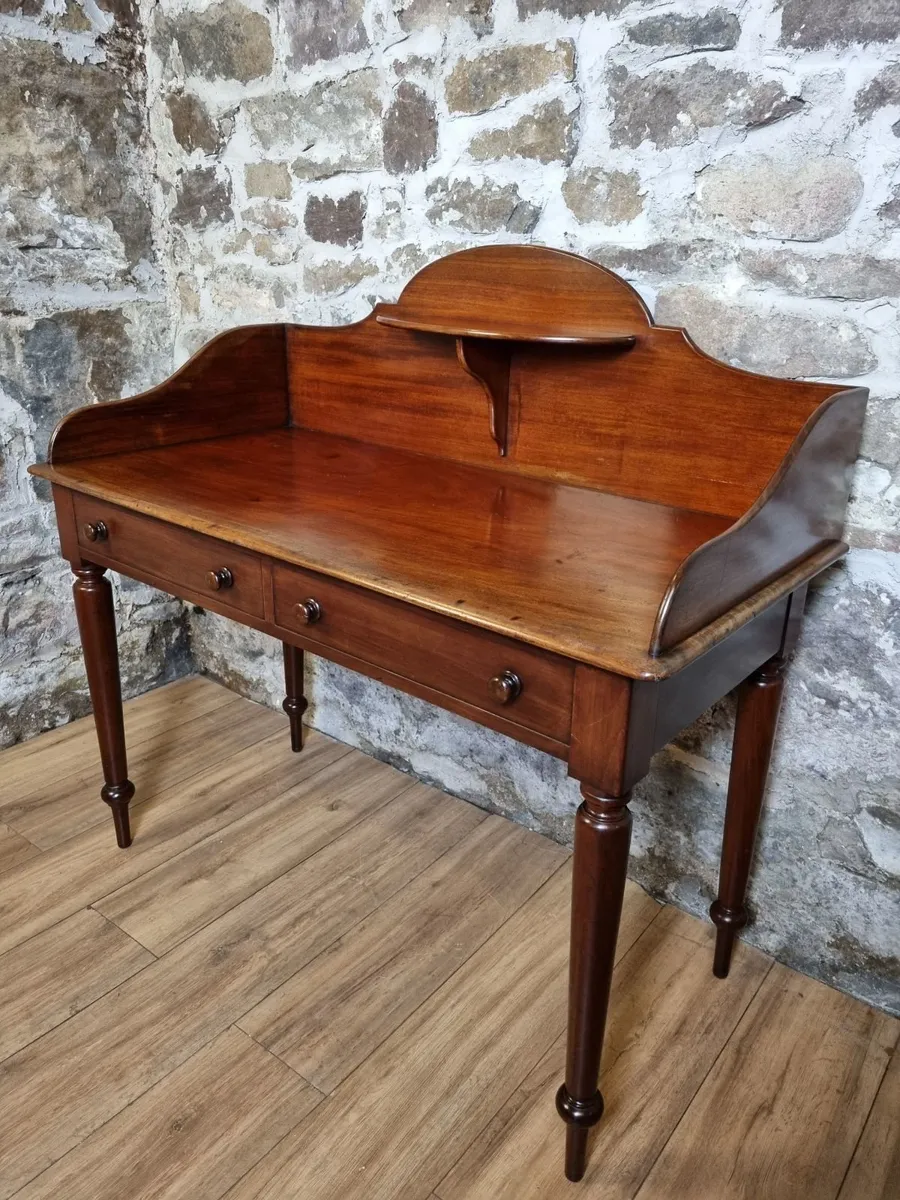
[759,703]
[602,839]
[805,502]
[200,564]
[176,1101]
[660,422]
[487,289]
[646,422]
[294,703]
[235,384]
[506,553]
[621,534]
[429,648]
[490,365]
[97,626]
[507,329]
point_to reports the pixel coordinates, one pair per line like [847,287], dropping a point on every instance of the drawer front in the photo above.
[186,559]
[440,653]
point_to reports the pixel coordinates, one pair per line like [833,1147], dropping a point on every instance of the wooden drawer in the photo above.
[448,656]
[166,552]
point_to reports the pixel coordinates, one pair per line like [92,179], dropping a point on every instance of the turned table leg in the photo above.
[97,626]
[759,703]
[602,837]
[294,703]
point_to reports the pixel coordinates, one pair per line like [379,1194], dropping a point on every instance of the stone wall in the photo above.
[83,317]
[740,163]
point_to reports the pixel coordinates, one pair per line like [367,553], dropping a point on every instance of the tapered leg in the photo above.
[97,626]
[294,703]
[759,703]
[602,837]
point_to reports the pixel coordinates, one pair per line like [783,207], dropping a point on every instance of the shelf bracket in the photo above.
[488,362]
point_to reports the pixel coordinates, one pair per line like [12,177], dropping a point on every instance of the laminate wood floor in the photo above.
[312,977]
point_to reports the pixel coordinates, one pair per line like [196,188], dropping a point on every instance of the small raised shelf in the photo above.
[505,330]
[490,364]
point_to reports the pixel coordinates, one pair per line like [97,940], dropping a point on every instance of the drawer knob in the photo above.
[309,611]
[505,687]
[222,578]
[95,531]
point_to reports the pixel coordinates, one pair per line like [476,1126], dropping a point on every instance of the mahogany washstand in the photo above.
[510,494]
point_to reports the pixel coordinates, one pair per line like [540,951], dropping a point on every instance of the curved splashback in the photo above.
[652,417]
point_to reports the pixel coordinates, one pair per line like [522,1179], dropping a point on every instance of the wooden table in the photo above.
[510,494]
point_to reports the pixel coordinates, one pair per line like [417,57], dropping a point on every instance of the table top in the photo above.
[573,570]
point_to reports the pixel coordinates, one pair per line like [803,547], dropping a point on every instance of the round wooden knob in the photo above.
[309,611]
[505,687]
[95,531]
[222,578]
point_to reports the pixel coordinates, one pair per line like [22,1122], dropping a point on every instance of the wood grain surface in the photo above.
[874,1172]
[62,970]
[819,1058]
[330,1016]
[209,390]
[14,848]
[663,1037]
[493,1019]
[643,490]
[503,552]
[164,906]
[415,961]
[160,756]
[31,767]
[44,890]
[191,1135]
[131,1038]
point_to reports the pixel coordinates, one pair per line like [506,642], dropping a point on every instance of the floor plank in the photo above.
[131,1038]
[79,871]
[14,849]
[54,975]
[330,1016]
[33,765]
[424,1094]
[874,1171]
[785,1128]
[669,1019]
[189,1137]
[181,745]
[406,954]
[180,896]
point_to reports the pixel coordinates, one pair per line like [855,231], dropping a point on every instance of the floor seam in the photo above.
[706,1076]
[71,1017]
[293,866]
[272,1054]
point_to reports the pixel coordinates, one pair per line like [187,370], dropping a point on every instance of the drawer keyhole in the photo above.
[220,579]
[95,531]
[309,611]
[505,687]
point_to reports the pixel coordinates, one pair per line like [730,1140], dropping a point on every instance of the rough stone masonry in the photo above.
[83,317]
[738,161]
